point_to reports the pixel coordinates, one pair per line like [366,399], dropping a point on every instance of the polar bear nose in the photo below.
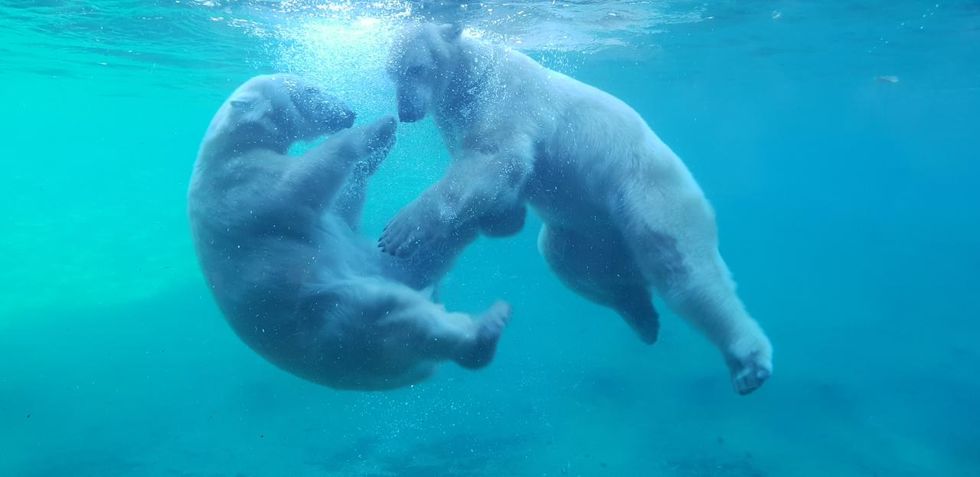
[409,113]
[347,117]
[406,116]
[330,114]
[335,117]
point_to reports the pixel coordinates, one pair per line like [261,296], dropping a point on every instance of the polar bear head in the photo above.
[418,64]
[276,110]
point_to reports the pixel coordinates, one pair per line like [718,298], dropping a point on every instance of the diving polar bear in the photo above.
[622,213]
[276,239]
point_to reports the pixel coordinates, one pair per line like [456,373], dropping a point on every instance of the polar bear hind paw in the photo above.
[750,373]
[481,350]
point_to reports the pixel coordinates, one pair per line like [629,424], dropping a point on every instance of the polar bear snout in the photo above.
[413,102]
[332,116]
[325,112]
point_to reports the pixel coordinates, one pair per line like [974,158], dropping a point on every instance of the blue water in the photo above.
[837,142]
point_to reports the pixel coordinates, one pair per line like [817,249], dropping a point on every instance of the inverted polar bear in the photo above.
[622,213]
[276,239]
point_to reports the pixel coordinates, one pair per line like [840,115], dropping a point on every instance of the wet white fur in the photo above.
[603,182]
[277,242]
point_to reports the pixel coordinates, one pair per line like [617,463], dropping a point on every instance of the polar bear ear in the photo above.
[451,31]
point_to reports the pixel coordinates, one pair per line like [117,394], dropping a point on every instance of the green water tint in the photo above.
[846,208]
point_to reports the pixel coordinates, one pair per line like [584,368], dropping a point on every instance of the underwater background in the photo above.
[837,142]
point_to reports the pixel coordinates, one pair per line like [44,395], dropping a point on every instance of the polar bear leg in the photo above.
[692,277]
[712,304]
[412,328]
[350,200]
[601,271]
[318,176]
[349,203]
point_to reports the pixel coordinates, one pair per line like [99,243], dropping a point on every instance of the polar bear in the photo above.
[276,239]
[622,214]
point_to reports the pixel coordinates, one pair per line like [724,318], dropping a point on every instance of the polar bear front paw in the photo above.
[402,236]
[750,369]
[415,227]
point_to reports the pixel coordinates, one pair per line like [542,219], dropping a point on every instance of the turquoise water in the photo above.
[838,143]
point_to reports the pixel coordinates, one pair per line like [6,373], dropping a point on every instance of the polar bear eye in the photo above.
[240,104]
